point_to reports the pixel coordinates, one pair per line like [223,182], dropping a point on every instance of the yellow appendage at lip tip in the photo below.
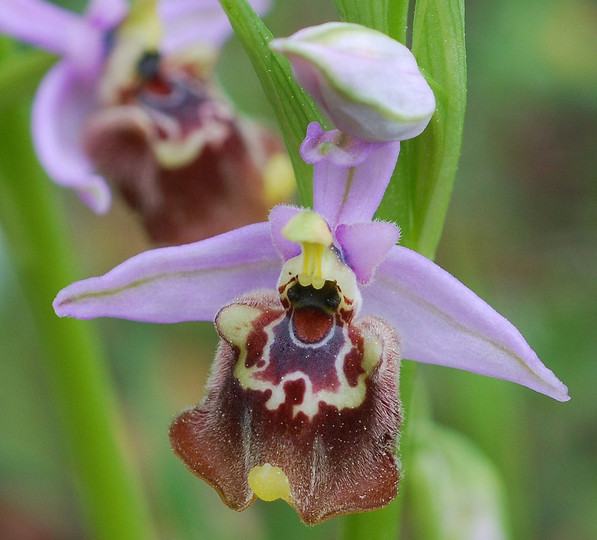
[269,483]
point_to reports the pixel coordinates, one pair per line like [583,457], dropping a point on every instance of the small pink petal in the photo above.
[366,245]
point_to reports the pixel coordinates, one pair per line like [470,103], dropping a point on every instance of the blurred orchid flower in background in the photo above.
[289,294]
[133,101]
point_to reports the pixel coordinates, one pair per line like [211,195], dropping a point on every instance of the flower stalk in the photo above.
[370,13]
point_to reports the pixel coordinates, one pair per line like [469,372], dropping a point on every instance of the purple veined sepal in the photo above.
[39,23]
[441,321]
[304,412]
[178,283]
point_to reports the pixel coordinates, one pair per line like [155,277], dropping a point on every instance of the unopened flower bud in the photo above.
[368,83]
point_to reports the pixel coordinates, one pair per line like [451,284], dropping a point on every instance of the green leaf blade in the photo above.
[422,183]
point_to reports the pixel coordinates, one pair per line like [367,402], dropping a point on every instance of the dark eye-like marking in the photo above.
[325,299]
[148,65]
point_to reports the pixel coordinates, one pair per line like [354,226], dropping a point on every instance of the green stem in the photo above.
[20,73]
[33,223]
[439,46]
[397,16]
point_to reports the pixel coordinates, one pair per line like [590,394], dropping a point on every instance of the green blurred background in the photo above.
[521,232]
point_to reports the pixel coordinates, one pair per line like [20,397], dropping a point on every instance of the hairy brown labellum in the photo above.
[180,158]
[314,405]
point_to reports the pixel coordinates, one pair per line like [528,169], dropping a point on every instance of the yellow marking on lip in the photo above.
[235,323]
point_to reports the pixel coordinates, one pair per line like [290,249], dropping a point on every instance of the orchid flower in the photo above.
[314,309]
[132,101]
